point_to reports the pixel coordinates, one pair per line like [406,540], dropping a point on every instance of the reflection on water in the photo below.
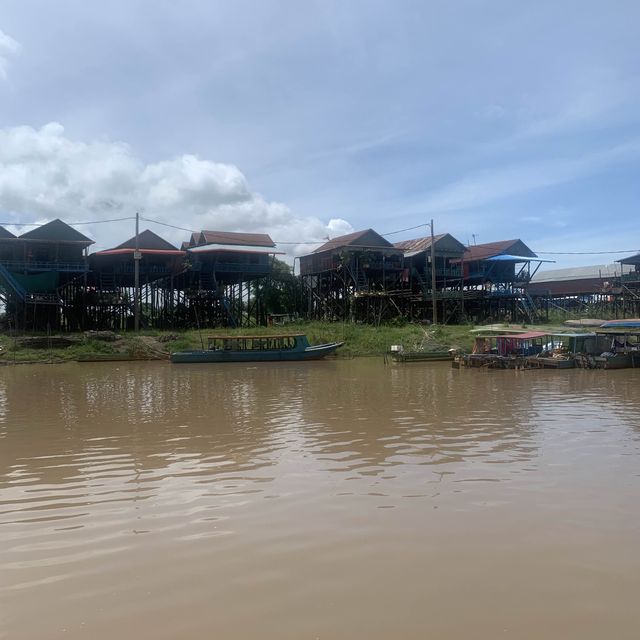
[329,499]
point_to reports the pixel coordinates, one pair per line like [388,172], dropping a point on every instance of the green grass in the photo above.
[12,352]
[360,340]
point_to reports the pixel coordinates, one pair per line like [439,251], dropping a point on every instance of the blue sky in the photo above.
[310,119]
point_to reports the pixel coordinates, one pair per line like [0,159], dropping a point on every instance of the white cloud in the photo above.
[8,48]
[45,175]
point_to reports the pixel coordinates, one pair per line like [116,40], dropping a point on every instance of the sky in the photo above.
[308,120]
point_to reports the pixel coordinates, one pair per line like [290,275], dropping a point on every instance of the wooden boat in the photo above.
[509,351]
[400,355]
[272,348]
[624,348]
[526,350]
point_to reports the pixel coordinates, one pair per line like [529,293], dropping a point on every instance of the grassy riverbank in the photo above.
[360,340]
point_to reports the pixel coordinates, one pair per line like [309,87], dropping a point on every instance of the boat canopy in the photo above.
[630,323]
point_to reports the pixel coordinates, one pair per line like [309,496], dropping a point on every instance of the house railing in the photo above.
[73,267]
[233,267]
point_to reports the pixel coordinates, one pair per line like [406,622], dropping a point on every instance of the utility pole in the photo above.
[137,255]
[433,277]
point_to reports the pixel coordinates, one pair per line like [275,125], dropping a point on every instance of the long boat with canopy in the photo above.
[256,348]
[623,337]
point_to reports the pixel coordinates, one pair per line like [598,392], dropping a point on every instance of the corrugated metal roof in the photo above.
[375,240]
[56,231]
[604,271]
[417,244]
[490,249]
[231,237]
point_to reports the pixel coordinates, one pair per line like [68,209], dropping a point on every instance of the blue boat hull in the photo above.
[267,355]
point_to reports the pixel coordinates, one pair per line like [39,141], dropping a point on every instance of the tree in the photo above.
[280,292]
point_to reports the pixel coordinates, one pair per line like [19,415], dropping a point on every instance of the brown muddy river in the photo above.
[332,500]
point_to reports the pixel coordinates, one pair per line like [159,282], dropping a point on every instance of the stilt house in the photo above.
[495,277]
[109,303]
[223,265]
[41,273]
[419,271]
[353,276]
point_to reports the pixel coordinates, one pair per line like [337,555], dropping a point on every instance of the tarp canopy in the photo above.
[509,258]
[629,323]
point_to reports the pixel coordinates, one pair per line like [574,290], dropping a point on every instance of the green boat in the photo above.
[274,348]
[398,354]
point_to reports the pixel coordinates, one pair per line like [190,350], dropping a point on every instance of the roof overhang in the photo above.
[509,258]
[234,248]
[153,252]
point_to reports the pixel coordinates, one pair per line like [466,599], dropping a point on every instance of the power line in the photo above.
[418,226]
[40,224]
[584,253]
[304,242]
[166,224]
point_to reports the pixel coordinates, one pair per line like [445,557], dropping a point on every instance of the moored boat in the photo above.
[527,350]
[251,348]
[398,354]
[624,345]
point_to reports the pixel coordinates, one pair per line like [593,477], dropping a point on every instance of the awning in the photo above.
[235,248]
[505,257]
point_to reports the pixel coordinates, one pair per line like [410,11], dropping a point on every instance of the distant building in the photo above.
[575,281]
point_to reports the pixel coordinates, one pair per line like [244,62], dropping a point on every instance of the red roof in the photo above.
[231,237]
[491,249]
[367,238]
